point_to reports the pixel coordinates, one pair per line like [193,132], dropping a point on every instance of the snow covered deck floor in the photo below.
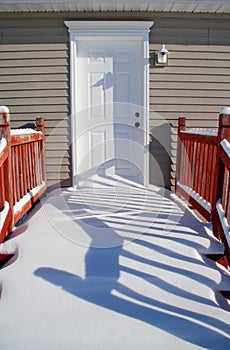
[113,268]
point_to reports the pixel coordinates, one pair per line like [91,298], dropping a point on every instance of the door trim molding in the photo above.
[114,30]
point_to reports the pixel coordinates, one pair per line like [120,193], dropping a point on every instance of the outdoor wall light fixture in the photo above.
[161,57]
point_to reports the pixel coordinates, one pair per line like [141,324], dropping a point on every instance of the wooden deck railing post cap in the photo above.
[4,115]
[40,124]
[224,123]
[225,110]
[4,109]
[181,123]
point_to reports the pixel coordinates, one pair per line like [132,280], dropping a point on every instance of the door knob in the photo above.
[137,125]
[137,114]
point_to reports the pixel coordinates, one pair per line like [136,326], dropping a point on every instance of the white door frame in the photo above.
[112,30]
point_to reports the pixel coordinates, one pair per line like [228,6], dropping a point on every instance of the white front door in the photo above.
[109,103]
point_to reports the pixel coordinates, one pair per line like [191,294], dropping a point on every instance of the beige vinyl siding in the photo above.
[195,84]
[34,80]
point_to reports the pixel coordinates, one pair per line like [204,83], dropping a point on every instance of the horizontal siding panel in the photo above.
[219,33]
[180,108]
[190,22]
[50,146]
[34,39]
[33,78]
[167,39]
[57,161]
[201,63]
[31,48]
[195,70]
[190,82]
[57,154]
[58,169]
[178,93]
[194,118]
[31,22]
[200,54]
[63,179]
[191,101]
[217,40]
[34,93]
[54,119]
[178,32]
[43,101]
[33,62]
[198,123]
[34,31]
[53,138]
[188,87]
[35,55]
[38,109]
[58,130]
[34,70]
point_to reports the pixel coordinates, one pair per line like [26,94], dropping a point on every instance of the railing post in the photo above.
[181,127]
[223,133]
[40,126]
[5,132]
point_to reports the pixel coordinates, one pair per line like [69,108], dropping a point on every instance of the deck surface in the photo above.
[116,267]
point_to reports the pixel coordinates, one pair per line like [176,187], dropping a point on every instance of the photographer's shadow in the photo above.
[101,286]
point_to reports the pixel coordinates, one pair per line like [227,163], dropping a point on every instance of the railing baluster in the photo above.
[2,192]
[13,170]
[209,151]
[225,189]
[227,211]
[20,167]
[205,180]
[212,185]
[24,169]
[197,164]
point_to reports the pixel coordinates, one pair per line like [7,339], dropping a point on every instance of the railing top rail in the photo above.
[19,138]
[199,131]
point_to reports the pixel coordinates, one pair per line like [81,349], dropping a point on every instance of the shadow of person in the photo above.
[99,291]
[103,286]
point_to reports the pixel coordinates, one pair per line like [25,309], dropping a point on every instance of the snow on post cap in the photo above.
[225,110]
[4,109]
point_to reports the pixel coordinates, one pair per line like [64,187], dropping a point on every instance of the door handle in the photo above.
[137,124]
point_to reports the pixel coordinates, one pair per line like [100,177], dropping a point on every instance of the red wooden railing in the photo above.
[202,179]
[22,171]
[221,203]
[196,164]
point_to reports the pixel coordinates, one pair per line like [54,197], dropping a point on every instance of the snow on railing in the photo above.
[199,131]
[22,170]
[16,132]
[226,146]
[203,174]
[2,145]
